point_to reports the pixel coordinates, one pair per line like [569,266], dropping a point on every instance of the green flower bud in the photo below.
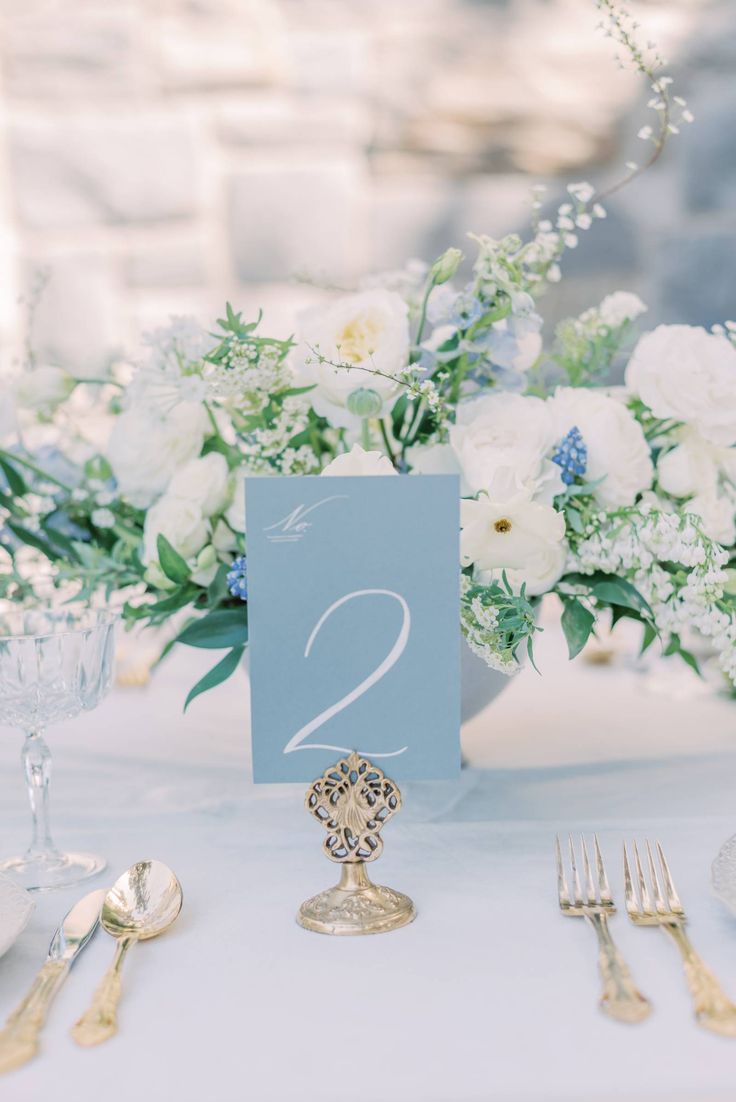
[365,403]
[445,266]
[155,577]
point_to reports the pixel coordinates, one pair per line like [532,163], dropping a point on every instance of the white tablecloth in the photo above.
[489,995]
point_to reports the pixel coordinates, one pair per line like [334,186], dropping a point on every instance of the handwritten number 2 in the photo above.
[398,648]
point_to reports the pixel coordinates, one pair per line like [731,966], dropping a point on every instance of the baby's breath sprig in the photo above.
[618,24]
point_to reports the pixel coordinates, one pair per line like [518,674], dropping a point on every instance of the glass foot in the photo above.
[42,874]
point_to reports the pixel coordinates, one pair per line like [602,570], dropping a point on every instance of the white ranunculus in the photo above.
[42,389]
[359,462]
[617,449]
[686,373]
[619,307]
[507,529]
[369,329]
[146,450]
[180,521]
[543,570]
[203,481]
[499,431]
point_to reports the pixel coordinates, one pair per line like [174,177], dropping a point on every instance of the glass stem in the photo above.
[36,758]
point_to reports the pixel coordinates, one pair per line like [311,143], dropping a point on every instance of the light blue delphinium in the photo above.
[571,456]
[237,578]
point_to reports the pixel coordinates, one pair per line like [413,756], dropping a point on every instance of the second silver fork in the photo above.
[621,998]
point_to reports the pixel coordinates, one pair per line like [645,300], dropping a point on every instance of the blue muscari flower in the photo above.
[237,578]
[571,456]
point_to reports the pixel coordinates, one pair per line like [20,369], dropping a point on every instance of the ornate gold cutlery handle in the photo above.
[19,1038]
[100,1021]
[621,998]
[713,1008]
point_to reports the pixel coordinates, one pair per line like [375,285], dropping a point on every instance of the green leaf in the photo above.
[172,564]
[33,540]
[225,627]
[650,634]
[577,624]
[617,591]
[16,482]
[219,673]
[217,590]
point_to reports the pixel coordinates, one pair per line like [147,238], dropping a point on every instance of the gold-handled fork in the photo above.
[650,905]
[620,998]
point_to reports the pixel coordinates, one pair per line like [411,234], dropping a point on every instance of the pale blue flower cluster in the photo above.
[237,578]
[571,456]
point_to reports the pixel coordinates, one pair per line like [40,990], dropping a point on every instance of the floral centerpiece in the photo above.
[620,500]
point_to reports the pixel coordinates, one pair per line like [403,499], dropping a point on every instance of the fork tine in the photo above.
[589,885]
[646,901]
[603,885]
[632,901]
[562,889]
[578,895]
[673,898]
[656,888]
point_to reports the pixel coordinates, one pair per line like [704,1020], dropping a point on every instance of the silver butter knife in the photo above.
[19,1038]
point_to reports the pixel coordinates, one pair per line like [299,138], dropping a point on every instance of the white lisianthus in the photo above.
[543,570]
[498,431]
[359,462]
[235,513]
[180,521]
[618,452]
[507,530]
[146,450]
[686,373]
[620,306]
[42,389]
[369,329]
[204,482]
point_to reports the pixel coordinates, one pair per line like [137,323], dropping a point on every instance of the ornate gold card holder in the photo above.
[352,801]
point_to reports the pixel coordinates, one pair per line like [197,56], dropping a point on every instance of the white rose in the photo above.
[498,431]
[681,371]
[235,514]
[619,307]
[359,462]
[368,330]
[543,570]
[432,459]
[691,467]
[204,482]
[43,388]
[718,515]
[617,449]
[180,521]
[507,529]
[145,450]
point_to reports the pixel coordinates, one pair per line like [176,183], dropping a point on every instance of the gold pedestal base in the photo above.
[356,906]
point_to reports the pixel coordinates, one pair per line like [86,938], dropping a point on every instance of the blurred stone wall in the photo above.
[159,156]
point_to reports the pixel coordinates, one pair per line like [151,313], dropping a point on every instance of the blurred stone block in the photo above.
[329,59]
[710,164]
[76,324]
[83,170]
[178,263]
[697,275]
[221,43]
[288,218]
[284,120]
[611,245]
[89,50]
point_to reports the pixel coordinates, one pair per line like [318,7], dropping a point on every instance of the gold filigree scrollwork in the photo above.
[353,800]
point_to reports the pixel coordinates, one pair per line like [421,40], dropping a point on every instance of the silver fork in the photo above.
[620,998]
[654,905]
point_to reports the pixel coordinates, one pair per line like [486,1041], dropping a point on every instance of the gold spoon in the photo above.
[141,904]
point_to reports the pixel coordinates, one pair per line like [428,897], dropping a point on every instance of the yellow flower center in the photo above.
[358,339]
[503,525]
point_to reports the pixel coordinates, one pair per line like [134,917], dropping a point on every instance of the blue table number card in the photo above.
[353,595]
